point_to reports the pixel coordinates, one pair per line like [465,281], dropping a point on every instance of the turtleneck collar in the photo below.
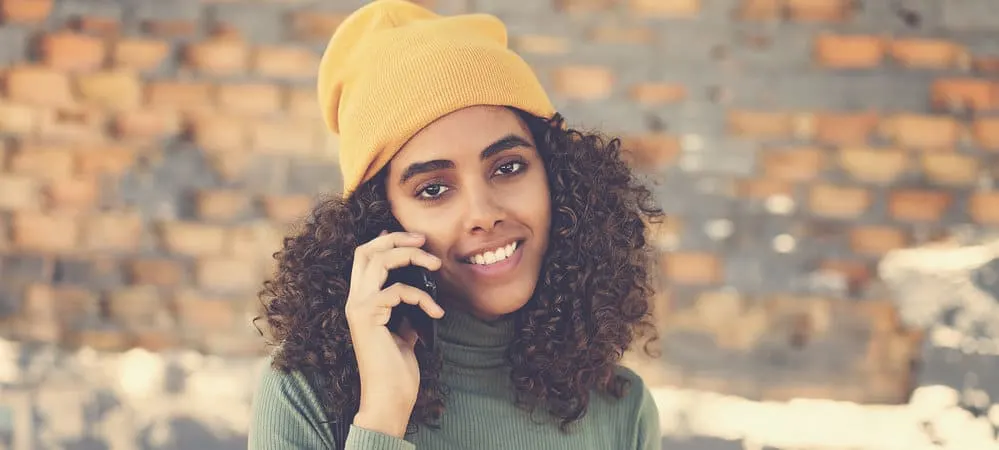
[468,342]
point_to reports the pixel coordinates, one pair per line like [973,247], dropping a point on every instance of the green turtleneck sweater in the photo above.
[479,414]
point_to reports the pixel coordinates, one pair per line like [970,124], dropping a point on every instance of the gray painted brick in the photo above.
[15,44]
[965,14]
[161,191]
[311,177]
[260,23]
[505,8]
[83,272]
[908,15]
[66,10]
[159,10]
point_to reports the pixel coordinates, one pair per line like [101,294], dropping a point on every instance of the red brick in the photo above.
[921,131]
[794,164]
[220,55]
[845,128]
[202,312]
[65,50]
[287,208]
[583,82]
[977,94]
[104,160]
[120,232]
[314,25]
[658,93]
[42,162]
[32,231]
[584,6]
[18,119]
[666,8]
[37,85]
[986,64]
[219,274]
[839,202]
[762,188]
[983,207]
[192,238]
[74,124]
[117,89]
[918,206]
[146,124]
[849,52]
[878,165]
[221,204]
[876,240]
[25,11]
[72,195]
[215,133]
[249,98]
[255,240]
[650,152]
[170,28]
[156,272]
[301,102]
[692,268]
[139,307]
[102,339]
[820,10]
[19,192]
[95,25]
[541,44]
[39,318]
[230,166]
[833,11]
[635,35]
[760,124]
[156,340]
[285,62]
[179,95]
[857,274]
[926,53]
[986,132]
[664,234]
[285,136]
[950,168]
[140,54]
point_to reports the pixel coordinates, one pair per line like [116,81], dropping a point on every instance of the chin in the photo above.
[499,304]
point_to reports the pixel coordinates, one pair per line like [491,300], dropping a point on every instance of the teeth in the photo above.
[494,256]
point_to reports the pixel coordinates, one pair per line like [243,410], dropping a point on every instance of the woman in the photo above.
[533,231]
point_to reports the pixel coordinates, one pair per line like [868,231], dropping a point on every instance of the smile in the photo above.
[494,256]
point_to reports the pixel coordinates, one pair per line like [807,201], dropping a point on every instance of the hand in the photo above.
[386,362]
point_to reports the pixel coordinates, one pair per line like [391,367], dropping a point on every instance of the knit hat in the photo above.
[392,67]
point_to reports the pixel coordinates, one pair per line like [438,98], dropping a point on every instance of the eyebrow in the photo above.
[505,143]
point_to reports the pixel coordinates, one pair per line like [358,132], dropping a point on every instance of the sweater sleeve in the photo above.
[649,435]
[287,415]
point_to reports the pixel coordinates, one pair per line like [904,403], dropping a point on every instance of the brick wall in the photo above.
[153,154]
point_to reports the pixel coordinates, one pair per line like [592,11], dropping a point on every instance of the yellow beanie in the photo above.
[393,67]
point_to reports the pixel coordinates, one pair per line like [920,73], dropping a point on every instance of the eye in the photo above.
[432,191]
[510,168]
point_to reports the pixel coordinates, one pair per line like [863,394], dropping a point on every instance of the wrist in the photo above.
[392,423]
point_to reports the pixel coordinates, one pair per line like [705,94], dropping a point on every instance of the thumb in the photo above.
[408,334]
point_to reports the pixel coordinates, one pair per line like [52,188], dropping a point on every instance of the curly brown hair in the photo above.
[591,302]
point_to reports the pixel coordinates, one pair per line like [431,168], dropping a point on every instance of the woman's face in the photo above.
[474,184]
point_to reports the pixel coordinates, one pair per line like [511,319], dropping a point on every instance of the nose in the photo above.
[484,210]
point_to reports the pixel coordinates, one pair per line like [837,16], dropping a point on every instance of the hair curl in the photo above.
[591,301]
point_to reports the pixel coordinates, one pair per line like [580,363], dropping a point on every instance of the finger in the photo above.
[404,293]
[387,241]
[404,256]
[408,335]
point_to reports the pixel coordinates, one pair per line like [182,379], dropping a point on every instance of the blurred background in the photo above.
[830,276]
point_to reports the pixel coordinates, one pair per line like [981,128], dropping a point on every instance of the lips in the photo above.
[493,256]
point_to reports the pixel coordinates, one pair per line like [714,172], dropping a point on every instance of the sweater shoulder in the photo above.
[286,412]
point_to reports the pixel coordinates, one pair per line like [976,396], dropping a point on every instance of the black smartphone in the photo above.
[425,326]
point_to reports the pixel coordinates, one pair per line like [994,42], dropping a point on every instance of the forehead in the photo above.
[460,134]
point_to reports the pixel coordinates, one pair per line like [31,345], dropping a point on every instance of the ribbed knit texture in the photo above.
[393,67]
[480,414]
